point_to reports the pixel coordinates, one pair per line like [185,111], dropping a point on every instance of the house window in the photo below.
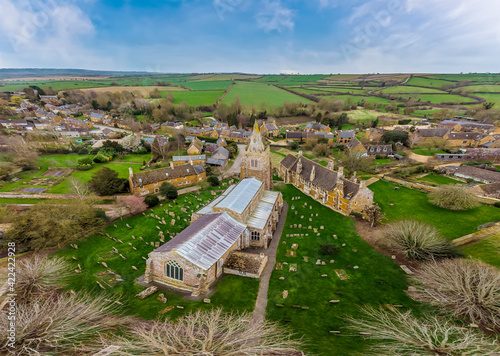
[157,190]
[174,270]
[255,236]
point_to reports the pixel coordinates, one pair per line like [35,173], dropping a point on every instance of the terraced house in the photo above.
[146,183]
[245,215]
[325,185]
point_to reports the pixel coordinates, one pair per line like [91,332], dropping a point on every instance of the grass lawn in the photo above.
[428,152]
[440,180]
[379,162]
[251,93]
[413,204]
[487,250]
[378,281]
[233,292]
[437,98]
[195,98]
[410,89]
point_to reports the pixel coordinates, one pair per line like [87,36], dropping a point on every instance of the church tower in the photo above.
[256,161]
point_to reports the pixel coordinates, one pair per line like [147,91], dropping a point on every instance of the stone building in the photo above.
[245,215]
[149,182]
[196,147]
[330,188]
[256,160]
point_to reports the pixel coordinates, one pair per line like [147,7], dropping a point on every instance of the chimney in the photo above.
[341,173]
[172,164]
[299,165]
[313,174]
[300,153]
[331,166]
[130,172]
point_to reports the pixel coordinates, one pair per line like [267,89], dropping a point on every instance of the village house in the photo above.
[149,182]
[325,185]
[317,127]
[478,174]
[426,135]
[379,150]
[374,135]
[97,117]
[50,99]
[355,146]
[464,139]
[270,130]
[219,157]
[196,147]
[345,136]
[194,160]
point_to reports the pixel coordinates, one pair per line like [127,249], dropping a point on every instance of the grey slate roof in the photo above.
[187,158]
[206,240]
[478,173]
[216,162]
[346,134]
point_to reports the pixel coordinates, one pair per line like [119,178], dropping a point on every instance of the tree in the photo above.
[16,100]
[233,149]
[214,181]
[454,197]
[48,225]
[135,204]
[211,332]
[354,162]
[106,182]
[395,136]
[155,94]
[419,241]
[131,143]
[401,333]
[293,145]
[321,150]
[24,153]
[151,200]
[373,214]
[469,288]
[168,191]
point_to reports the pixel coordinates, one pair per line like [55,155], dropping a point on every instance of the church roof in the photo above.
[206,240]
[241,196]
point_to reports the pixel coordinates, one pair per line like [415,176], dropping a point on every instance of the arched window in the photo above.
[174,270]
[252,163]
[255,236]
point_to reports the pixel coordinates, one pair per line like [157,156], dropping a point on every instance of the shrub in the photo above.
[151,201]
[497,204]
[401,333]
[168,190]
[106,182]
[469,288]
[419,241]
[85,160]
[454,197]
[84,167]
[100,158]
[328,249]
[214,181]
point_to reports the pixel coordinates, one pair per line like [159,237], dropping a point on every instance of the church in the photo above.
[244,216]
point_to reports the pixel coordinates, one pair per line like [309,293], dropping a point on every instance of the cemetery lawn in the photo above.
[378,281]
[487,250]
[233,292]
[413,204]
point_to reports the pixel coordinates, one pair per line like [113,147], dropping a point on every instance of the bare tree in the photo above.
[418,240]
[469,288]
[207,333]
[403,334]
[454,197]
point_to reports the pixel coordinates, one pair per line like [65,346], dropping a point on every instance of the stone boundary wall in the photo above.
[257,275]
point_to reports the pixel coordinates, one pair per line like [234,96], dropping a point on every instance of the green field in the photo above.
[410,89]
[482,88]
[487,250]
[378,281]
[429,82]
[437,98]
[257,93]
[439,180]
[428,152]
[407,203]
[208,85]
[495,98]
[233,292]
[195,98]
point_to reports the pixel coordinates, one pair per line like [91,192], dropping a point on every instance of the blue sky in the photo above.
[253,36]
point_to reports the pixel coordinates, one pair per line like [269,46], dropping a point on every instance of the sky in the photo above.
[252,36]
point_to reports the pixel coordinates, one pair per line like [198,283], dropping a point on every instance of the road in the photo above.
[235,168]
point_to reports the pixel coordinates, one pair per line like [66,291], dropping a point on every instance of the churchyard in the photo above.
[110,261]
[312,291]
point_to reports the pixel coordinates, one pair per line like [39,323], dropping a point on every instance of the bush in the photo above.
[169,191]
[151,201]
[107,182]
[497,204]
[100,158]
[469,288]
[214,181]
[417,240]
[329,249]
[84,167]
[85,160]
[454,197]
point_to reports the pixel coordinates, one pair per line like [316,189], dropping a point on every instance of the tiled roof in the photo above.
[466,136]
[479,173]
[206,240]
[159,175]
[432,132]
[188,158]
[220,153]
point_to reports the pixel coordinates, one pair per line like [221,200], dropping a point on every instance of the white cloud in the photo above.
[274,16]
[327,3]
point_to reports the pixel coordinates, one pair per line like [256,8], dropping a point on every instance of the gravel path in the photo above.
[259,312]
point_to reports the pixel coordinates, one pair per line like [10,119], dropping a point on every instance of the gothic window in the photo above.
[255,236]
[174,270]
[252,164]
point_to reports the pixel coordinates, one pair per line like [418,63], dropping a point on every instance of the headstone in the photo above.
[285,294]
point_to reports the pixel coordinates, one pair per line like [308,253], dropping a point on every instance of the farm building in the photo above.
[194,160]
[478,174]
[325,185]
[244,215]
